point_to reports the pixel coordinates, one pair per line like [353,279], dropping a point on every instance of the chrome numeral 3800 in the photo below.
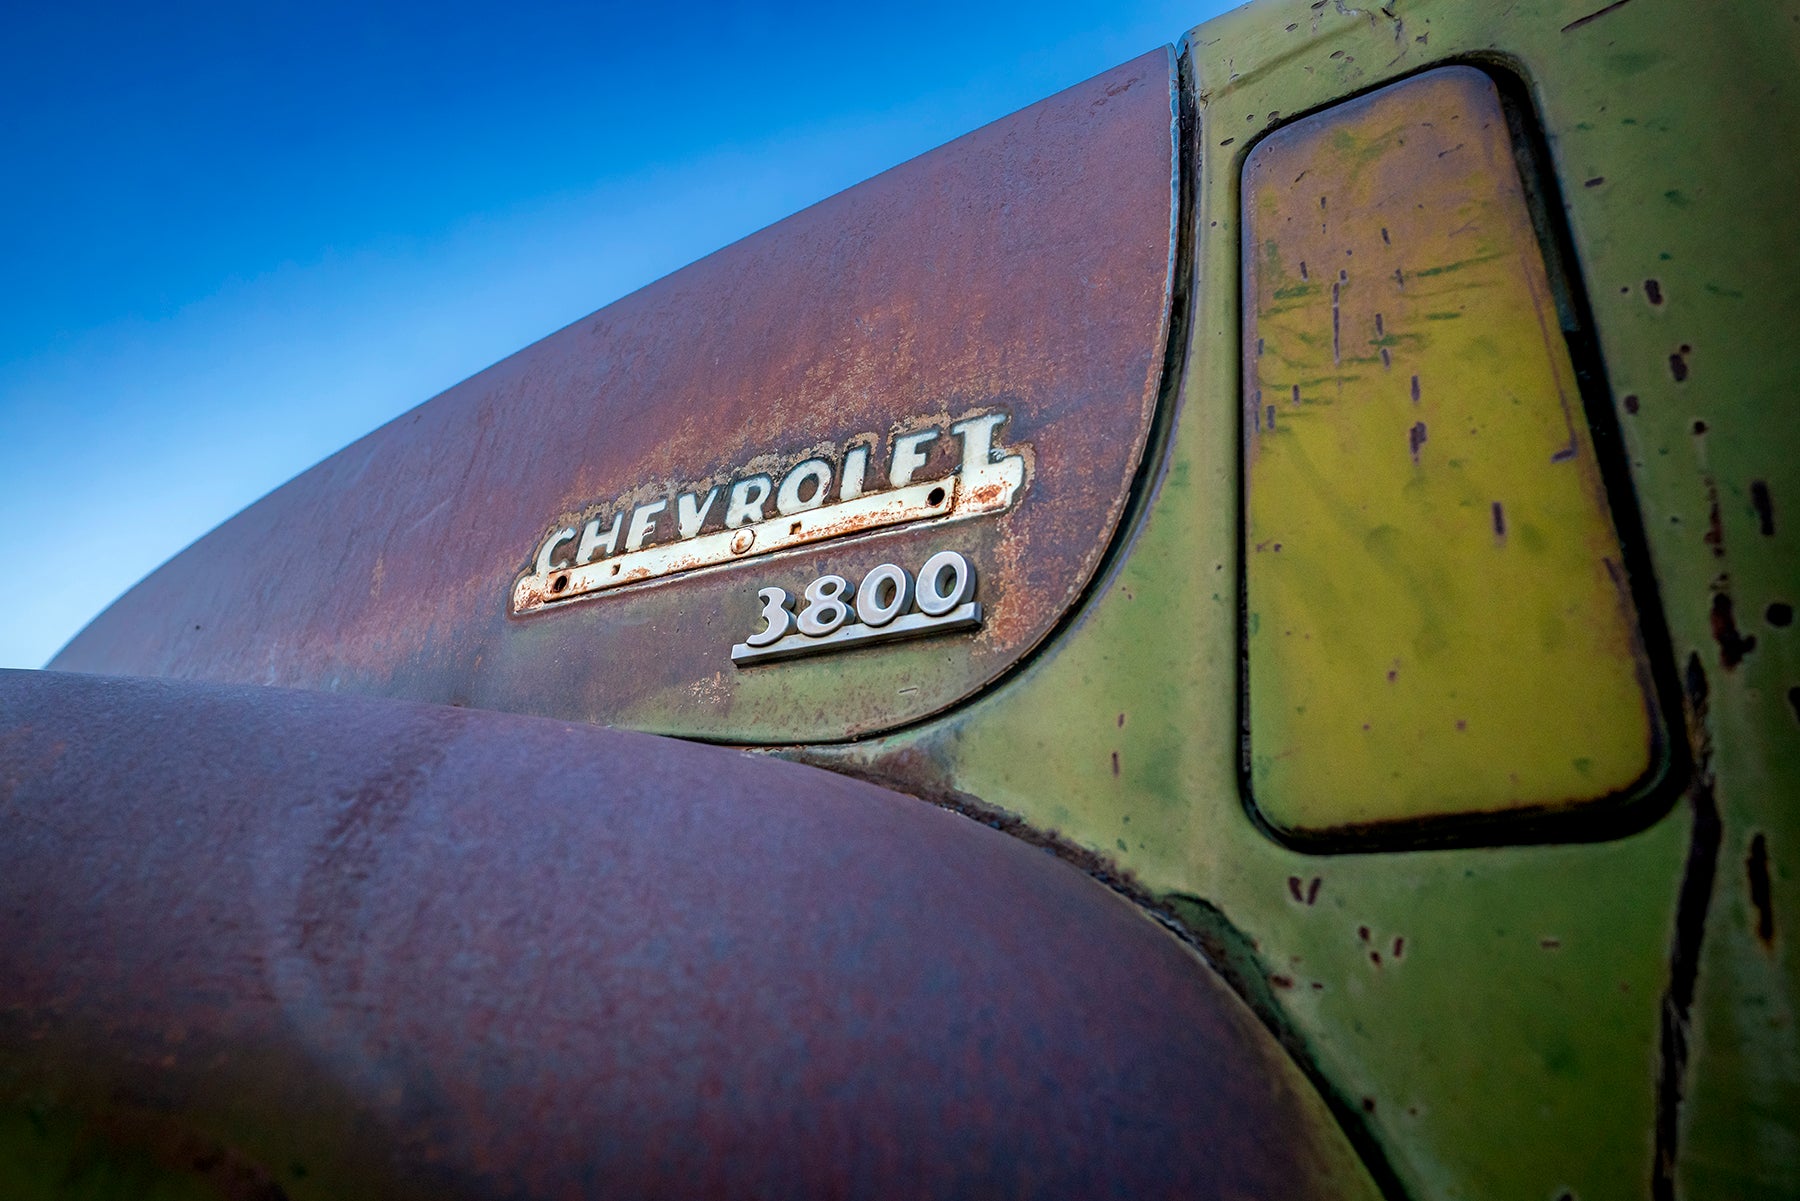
[887,604]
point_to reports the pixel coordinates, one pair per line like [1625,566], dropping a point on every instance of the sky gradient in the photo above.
[238,237]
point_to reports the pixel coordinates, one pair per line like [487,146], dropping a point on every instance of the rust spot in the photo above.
[1115,764]
[1312,891]
[1779,614]
[1336,344]
[1499,521]
[1715,522]
[1294,888]
[1631,403]
[1415,438]
[1756,867]
[1678,364]
[1282,981]
[1362,932]
[1550,944]
[1764,504]
[1694,679]
[1368,1104]
[1653,291]
[1794,701]
[1594,182]
[1700,427]
[1399,946]
[1733,646]
[1415,389]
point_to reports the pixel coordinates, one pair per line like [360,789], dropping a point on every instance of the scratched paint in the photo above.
[1439,616]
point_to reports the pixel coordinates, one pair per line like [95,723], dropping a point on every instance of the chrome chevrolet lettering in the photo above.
[816,498]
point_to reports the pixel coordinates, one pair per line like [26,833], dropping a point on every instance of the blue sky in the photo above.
[235,237]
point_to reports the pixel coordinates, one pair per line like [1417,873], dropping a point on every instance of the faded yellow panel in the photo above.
[1439,619]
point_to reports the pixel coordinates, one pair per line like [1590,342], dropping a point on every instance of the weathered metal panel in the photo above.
[1439,619]
[1016,281]
[311,946]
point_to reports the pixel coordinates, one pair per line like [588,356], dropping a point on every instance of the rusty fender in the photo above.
[350,946]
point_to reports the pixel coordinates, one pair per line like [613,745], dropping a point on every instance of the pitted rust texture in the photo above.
[1024,269]
[362,947]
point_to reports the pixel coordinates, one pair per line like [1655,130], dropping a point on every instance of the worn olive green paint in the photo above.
[1513,1046]
[1440,619]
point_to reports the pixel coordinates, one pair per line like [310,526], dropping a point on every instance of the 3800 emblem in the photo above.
[887,604]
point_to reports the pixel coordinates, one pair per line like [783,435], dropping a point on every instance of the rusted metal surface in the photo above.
[1023,271]
[344,947]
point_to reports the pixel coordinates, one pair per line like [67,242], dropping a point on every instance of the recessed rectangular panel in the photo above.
[1439,619]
